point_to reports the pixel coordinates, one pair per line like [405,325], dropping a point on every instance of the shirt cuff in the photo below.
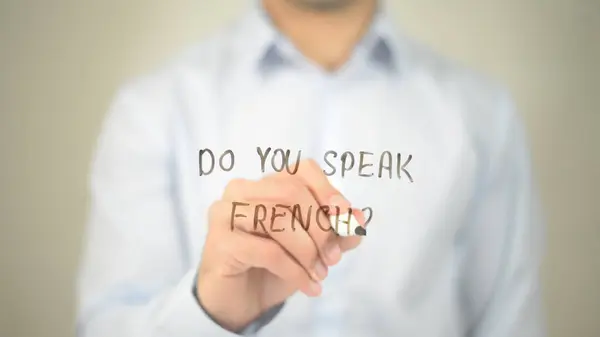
[183,317]
[252,328]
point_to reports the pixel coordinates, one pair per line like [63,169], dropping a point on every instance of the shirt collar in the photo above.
[263,44]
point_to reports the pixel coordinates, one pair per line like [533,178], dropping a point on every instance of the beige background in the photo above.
[61,60]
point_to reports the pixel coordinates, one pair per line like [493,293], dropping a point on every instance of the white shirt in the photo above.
[453,248]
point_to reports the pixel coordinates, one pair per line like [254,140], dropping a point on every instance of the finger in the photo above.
[311,175]
[264,253]
[313,216]
[290,190]
[258,218]
[273,221]
[262,218]
[234,214]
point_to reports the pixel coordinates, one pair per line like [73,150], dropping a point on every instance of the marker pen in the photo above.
[347,225]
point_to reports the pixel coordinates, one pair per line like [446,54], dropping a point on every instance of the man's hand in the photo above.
[246,270]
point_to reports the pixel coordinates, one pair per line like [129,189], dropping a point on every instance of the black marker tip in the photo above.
[360,231]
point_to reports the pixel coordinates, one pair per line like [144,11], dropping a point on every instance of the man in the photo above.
[438,156]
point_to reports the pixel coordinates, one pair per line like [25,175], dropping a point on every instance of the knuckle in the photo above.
[312,164]
[289,190]
[234,186]
[214,211]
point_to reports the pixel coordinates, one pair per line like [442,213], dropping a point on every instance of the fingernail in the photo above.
[320,270]
[334,253]
[315,287]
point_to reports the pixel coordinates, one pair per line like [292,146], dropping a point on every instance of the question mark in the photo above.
[370,215]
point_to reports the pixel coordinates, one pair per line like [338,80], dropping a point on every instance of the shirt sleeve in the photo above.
[135,278]
[254,326]
[503,243]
